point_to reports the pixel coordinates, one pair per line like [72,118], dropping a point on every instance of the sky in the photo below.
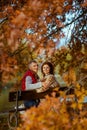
[67,30]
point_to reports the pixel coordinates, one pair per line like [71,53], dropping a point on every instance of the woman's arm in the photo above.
[50,82]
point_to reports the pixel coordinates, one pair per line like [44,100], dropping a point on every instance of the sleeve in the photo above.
[55,83]
[30,86]
[51,81]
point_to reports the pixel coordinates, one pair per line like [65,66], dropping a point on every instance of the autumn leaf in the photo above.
[74,105]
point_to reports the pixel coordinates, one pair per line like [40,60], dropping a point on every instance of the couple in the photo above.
[31,81]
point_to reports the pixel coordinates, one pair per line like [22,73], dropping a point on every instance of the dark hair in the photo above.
[50,65]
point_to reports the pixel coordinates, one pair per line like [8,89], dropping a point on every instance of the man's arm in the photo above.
[30,86]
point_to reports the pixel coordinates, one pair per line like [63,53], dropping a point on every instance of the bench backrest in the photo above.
[28,95]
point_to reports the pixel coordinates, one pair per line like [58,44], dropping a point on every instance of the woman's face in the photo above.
[46,69]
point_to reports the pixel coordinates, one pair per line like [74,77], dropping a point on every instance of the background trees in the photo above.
[33,29]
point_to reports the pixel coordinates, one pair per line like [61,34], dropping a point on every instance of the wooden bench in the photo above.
[28,95]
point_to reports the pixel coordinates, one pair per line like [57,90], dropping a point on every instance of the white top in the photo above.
[30,86]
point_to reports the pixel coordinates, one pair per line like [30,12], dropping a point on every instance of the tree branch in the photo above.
[58,29]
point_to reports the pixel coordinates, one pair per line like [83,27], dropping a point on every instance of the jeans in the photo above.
[31,103]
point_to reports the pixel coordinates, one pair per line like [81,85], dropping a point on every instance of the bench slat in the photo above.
[28,95]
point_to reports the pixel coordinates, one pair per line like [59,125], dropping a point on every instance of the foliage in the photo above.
[72,64]
[54,115]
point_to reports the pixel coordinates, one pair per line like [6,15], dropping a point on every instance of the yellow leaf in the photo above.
[74,105]
[80,106]
[77,86]
[68,57]
[72,75]
[83,90]
[79,93]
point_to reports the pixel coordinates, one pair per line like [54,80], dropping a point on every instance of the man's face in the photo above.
[34,67]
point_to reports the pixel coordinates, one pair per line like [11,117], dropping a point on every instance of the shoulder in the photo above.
[50,77]
[27,73]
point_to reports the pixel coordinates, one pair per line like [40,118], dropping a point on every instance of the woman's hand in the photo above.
[45,86]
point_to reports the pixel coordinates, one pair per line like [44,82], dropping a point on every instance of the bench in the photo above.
[28,95]
[33,94]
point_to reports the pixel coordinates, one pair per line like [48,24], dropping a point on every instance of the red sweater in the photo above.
[32,75]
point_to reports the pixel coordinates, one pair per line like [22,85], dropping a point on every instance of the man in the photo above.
[30,82]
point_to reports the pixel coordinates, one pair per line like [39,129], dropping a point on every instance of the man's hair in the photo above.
[32,61]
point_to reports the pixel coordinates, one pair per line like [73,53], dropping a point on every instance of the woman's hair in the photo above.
[50,65]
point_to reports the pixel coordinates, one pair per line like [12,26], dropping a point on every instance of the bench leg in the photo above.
[13,120]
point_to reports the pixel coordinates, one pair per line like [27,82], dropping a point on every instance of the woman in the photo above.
[48,77]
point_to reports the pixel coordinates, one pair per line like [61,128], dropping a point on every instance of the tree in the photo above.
[28,25]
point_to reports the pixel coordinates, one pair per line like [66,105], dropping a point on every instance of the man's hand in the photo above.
[45,86]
